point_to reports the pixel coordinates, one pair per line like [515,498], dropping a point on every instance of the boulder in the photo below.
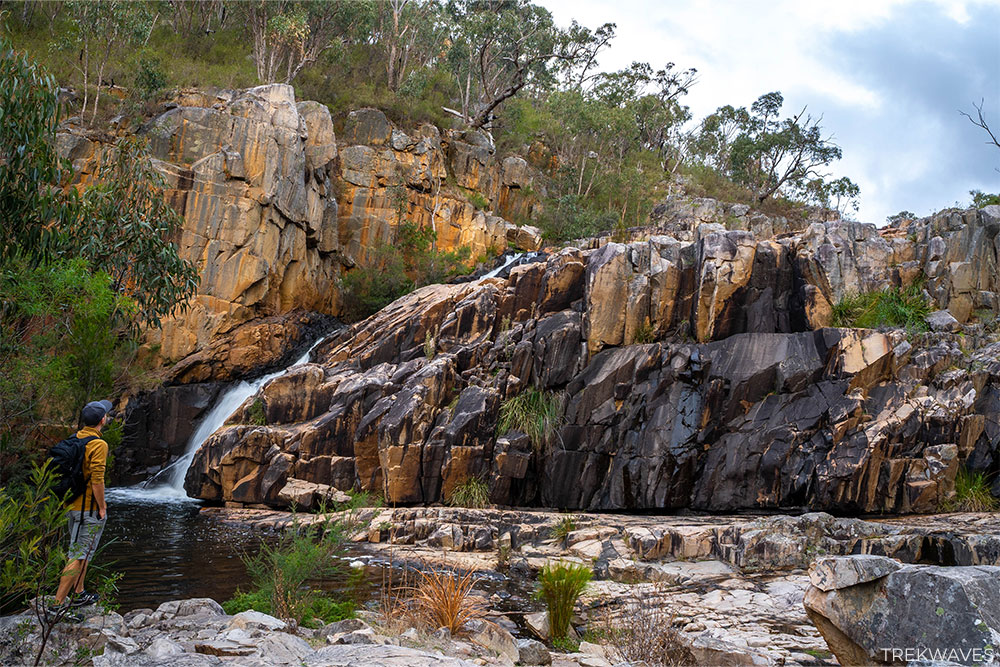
[942,320]
[255,620]
[910,613]
[533,652]
[496,639]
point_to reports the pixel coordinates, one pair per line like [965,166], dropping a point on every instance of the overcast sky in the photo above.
[888,77]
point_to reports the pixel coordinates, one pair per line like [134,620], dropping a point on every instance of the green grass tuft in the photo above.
[559,587]
[893,307]
[562,529]
[473,492]
[972,493]
[533,412]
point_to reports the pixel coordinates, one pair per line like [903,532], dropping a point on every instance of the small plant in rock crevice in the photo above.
[644,334]
[255,413]
[972,493]
[562,529]
[473,493]
[534,412]
[430,344]
[559,587]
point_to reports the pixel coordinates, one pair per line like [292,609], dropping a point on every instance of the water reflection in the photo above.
[166,551]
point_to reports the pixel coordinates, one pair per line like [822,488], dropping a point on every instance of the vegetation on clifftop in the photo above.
[608,144]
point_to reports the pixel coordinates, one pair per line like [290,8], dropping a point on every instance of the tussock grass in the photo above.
[562,529]
[972,493]
[559,587]
[444,600]
[893,307]
[473,492]
[533,412]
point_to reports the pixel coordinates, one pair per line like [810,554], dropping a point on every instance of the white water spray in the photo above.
[513,260]
[169,483]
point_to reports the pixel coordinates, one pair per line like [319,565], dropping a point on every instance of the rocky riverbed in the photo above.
[729,589]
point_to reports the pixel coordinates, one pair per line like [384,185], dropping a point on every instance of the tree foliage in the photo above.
[501,46]
[80,274]
[288,36]
[127,229]
[32,206]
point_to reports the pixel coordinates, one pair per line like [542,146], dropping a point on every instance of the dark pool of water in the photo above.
[166,551]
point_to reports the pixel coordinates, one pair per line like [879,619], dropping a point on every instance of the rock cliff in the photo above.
[276,207]
[691,369]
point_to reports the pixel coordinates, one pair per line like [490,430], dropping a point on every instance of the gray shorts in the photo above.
[84,534]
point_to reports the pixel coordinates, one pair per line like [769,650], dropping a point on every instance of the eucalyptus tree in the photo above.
[103,31]
[500,47]
[767,153]
[289,35]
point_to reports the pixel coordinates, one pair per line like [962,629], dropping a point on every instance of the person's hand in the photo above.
[102,512]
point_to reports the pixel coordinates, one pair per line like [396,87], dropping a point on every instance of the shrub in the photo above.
[559,587]
[375,283]
[533,412]
[280,573]
[479,201]
[443,600]
[972,493]
[150,78]
[569,217]
[255,413]
[643,633]
[391,270]
[892,307]
[473,492]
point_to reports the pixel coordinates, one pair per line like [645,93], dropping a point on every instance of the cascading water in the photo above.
[169,483]
[512,261]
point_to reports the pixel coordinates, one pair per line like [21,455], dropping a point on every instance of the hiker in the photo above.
[88,512]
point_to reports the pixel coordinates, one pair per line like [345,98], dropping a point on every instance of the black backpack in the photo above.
[67,462]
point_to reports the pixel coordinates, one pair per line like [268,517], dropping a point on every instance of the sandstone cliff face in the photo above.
[688,372]
[275,210]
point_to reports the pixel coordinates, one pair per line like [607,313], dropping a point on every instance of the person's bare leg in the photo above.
[83,575]
[69,578]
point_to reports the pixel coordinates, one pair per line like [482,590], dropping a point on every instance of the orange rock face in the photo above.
[275,211]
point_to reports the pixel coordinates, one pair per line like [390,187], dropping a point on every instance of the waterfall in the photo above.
[169,483]
[514,260]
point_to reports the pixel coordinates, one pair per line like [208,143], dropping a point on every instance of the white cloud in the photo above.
[743,49]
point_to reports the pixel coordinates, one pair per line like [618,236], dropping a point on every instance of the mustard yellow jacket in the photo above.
[95,460]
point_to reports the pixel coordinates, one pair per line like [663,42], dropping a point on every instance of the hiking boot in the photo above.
[83,599]
[62,612]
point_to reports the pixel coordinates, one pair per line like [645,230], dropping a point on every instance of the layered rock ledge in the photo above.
[694,374]
[276,207]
